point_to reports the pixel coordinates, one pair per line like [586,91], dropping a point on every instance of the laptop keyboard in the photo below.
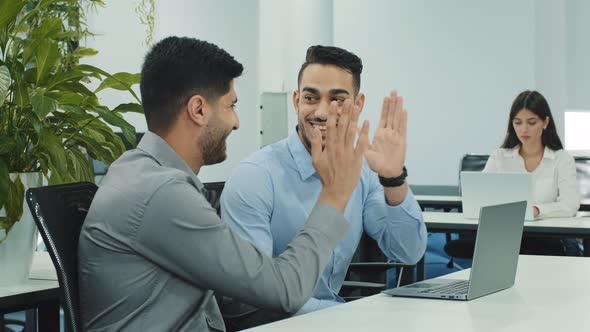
[459,287]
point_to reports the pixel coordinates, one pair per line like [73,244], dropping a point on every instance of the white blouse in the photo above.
[555,187]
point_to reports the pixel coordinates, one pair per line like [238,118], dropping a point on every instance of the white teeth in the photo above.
[320,127]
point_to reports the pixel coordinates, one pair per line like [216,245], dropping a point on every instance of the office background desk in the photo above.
[550,294]
[41,293]
[455,222]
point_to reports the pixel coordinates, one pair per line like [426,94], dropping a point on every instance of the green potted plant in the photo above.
[50,116]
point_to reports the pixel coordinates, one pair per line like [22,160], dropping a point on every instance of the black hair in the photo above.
[330,55]
[536,103]
[177,68]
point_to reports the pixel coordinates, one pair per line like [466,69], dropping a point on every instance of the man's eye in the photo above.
[338,100]
[309,98]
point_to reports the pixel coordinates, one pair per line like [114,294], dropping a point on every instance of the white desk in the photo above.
[536,303]
[40,291]
[451,221]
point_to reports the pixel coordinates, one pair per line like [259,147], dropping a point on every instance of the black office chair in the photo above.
[8,325]
[213,194]
[367,273]
[59,212]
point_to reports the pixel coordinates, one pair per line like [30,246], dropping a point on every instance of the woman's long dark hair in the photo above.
[536,103]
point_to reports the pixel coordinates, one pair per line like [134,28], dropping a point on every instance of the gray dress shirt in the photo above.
[152,251]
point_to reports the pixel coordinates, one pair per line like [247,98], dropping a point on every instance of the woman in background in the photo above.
[532,145]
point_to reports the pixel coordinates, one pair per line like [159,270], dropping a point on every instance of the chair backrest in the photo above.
[59,212]
[473,163]
[213,195]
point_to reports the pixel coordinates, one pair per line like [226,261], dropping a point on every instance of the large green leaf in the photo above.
[9,10]
[119,81]
[75,87]
[84,52]
[129,107]
[54,148]
[43,105]
[115,119]
[21,90]
[82,164]
[46,32]
[95,149]
[97,131]
[7,144]
[4,83]
[14,201]
[71,108]
[68,97]
[68,76]
[91,70]
[46,57]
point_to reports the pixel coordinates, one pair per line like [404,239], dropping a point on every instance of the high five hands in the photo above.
[387,153]
[339,164]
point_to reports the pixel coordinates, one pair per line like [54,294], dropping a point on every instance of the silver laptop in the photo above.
[495,259]
[482,189]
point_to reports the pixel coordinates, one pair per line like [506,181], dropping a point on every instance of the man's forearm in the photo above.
[396,195]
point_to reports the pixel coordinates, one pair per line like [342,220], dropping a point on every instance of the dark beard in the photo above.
[302,134]
[214,147]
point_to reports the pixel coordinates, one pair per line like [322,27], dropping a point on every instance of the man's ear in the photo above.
[359,101]
[197,110]
[296,101]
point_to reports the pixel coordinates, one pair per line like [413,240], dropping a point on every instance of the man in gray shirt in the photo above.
[152,249]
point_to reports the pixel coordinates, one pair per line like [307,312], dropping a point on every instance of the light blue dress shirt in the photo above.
[270,194]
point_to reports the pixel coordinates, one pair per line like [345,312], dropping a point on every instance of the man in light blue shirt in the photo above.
[271,193]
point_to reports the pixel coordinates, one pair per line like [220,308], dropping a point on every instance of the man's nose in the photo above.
[236,122]
[322,110]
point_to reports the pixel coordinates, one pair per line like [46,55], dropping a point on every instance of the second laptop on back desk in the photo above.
[482,189]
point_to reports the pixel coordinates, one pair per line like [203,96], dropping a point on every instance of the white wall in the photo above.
[458,63]
[232,25]
[578,54]
[287,29]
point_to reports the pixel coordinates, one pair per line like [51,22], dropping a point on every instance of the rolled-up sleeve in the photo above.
[399,230]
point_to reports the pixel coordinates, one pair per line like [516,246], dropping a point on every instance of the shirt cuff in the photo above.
[409,205]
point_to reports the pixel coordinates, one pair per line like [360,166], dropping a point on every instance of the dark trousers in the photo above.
[239,316]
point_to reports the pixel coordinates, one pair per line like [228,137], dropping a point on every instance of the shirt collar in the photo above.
[155,146]
[300,155]
[547,153]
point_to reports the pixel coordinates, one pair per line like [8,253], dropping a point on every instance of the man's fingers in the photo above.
[399,106]
[391,109]
[403,127]
[316,145]
[352,126]
[363,141]
[331,134]
[344,120]
[384,112]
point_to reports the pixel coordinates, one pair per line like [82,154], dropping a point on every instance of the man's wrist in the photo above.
[394,181]
[336,200]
